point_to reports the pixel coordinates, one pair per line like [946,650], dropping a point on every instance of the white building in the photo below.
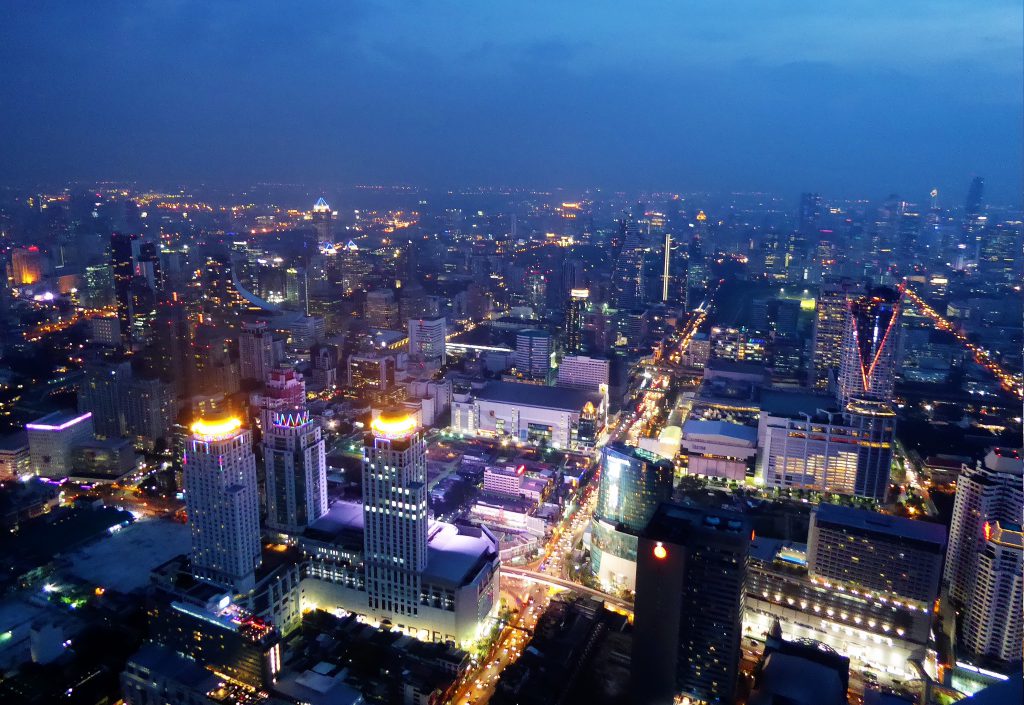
[533,352]
[258,352]
[427,338]
[504,480]
[993,619]
[52,438]
[222,501]
[582,372]
[992,491]
[530,413]
[296,470]
[719,448]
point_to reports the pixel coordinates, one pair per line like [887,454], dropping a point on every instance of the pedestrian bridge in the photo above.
[561,584]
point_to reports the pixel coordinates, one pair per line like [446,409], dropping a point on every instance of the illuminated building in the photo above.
[530,413]
[736,345]
[533,353]
[258,351]
[15,458]
[536,291]
[296,470]
[992,491]
[52,438]
[848,453]
[829,327]
[222,502]
[867,361]
[353,268]
[691,568]
[121,247]
[633,483]
[993,621]
[582,372]
[428,338]
[880,553]
[322,217]
[628,272]
[574,320]
[324,361]
[371,375]
[382,309]
[99,286]
[26,265]
[504,480]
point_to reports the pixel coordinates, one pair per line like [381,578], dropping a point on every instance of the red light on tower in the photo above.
[660,552]
[521,470]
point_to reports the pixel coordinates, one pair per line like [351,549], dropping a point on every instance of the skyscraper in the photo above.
[691,567]
[993,623]
[428,338]
[574,320]
[322,217]
[394,514]
[628,272]
[867,361]
[829,326]
[810,213]
[222,502]
[992,491]
[633,483]
[533,353]
[51,439]
[296,470]
[257,352]
[121,245]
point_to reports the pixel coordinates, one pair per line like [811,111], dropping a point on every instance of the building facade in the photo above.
[52,439]
[295,463]
[867,360]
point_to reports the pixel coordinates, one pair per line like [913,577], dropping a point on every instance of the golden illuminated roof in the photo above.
[216,429]
[701,216]
[393,424]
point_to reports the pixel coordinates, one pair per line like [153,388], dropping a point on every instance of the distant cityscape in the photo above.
[374,444]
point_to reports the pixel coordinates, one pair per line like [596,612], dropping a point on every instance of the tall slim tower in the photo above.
[867,361]
[394,513]
[222,501]
[574,320]
[121,265]
[994,623]
[322,216]
[829,326]
[296,470]
[257,353]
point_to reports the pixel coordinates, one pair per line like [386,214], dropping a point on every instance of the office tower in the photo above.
[394,513]
[52,438]
[428,338]
[322,217]
[581,372]
[829,325]
[173,338]
[296,470]
[222,501]
[149,266]
[536,291]
[809,217]
[628,272]
[691,567]
[573,275]
[26,265]
[15,457]
[121,246]
[371,375]
[992,491]
[258,352]
[633,483]
[874,431]
[352,268]
[533,352]
[975,219]
[150,409]
[865,550]
[382,309]
[867,359]
[574,320]
[993,622]
[324,360]
[99,286]
[101,391]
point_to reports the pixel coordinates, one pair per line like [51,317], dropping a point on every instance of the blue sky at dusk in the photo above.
[859,98]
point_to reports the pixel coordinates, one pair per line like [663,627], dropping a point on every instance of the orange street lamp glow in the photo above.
[215,430]
[393,425]
[660,552]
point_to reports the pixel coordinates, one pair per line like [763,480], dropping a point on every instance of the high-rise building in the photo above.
[371,375]
[582,372]
[867,362]
[394,514]
[829,327]
[52,438]
[881,553]
[628,272]
[26,265]
[322,217]
[101,391]
[992,491]
[533,352]
[536,291]
[574,320]
[258,352]
[691,568]
[993,622]
[428,338]
[121,246]
[810,213]
[222,501]
[324,360]
[382,309]
[296,470]
[633,483]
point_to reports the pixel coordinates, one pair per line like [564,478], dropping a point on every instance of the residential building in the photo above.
[295,463]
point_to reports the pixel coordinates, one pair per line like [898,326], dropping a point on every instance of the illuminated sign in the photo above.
[216,430]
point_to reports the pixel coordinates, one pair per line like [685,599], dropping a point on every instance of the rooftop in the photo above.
[58,420]
[866,520]
[537,395]
[779,403]
[695,428]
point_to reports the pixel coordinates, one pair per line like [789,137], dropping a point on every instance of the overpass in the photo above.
[561,584]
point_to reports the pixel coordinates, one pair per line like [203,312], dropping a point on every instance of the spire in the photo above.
[321,206]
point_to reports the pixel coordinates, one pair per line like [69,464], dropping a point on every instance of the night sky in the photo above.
[856,98]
